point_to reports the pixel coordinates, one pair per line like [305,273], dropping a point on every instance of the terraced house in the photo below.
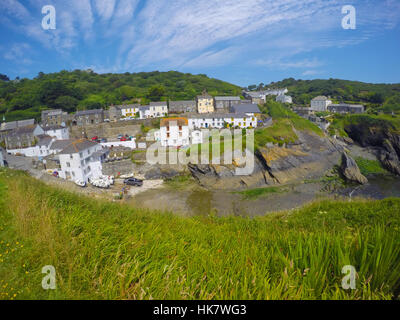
[182,106]
[225,103]
[23,137]
[205,103]
[54,117]
[87,117]
[222,120]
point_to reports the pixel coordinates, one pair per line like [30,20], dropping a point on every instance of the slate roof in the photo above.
[158,104]
[16,124]
[182,103]
[127,106]
[60,144]
[218,116]
[246,108]
[53,127]
[78,146]
[44,140]
[23,130]
[88,112]
[204,95]
[52,112]
[320,98]
[227,98]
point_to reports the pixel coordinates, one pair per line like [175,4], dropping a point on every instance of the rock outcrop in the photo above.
[308,158]
[380,134]
[350,170]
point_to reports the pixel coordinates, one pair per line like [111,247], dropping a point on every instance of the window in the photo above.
[180,128]
[68,165]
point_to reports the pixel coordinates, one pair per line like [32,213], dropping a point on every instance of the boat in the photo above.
[80,183]
[126,176]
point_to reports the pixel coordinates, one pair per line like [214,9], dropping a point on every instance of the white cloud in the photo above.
[105,8]
[187,33]
[18,52]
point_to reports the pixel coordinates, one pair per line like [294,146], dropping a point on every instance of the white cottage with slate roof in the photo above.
[320,103]
[82,160]
[57,132]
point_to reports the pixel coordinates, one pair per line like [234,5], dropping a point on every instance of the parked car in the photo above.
[120,136]
[103,140]
[133,182]
[123,139]
[95,138]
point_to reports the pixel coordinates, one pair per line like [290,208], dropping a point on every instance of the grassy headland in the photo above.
[104,250]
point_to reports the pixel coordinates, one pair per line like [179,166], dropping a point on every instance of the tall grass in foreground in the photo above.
[105,250]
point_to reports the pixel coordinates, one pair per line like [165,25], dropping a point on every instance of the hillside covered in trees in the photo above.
[385,97]
[79,90]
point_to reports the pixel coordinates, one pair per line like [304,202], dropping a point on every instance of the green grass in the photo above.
[282,130]
[252,194]
[104,250]
[383,122]
[179,182]
[368,167]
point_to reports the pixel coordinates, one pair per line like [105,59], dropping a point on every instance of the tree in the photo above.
[392,104]
[66,103]
[156,93]
[3,77]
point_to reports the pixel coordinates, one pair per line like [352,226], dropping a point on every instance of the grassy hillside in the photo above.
[111,251]
[284,123]
[388,123]
[78,89]
[384,97]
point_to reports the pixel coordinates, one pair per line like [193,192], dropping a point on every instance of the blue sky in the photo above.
[243,42]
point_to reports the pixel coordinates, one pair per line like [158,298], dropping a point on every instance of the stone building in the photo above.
[86,117]
[54,117]
[183,106]
[346,108]
[114,113]
[225,103]
[23,137]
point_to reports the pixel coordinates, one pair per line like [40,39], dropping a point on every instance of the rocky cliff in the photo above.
[308,158]
[380,134]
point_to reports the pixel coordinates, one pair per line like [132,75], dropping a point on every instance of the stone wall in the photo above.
[123,167]
[108,129]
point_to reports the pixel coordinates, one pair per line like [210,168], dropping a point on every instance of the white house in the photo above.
[1,157]
[154,110]
[320,103]
[220,121]
[57,132]
[131,110]
[41,149]
[158,109]
[174,132]
[82,159]
[196,137]
[284,99]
